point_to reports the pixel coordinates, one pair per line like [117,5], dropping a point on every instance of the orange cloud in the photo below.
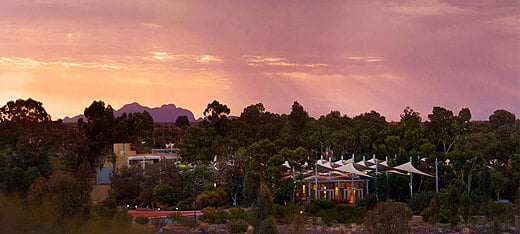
[274,61]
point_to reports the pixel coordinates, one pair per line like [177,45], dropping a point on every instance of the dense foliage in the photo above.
[45,160]
[389,218]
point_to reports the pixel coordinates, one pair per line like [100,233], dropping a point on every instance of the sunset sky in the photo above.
[350,56]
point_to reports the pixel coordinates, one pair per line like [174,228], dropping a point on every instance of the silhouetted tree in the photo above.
[215,111]
[182,121]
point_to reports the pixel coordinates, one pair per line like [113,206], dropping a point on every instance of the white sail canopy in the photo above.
[349,168]
[365,163]
[325,163]
[395,172]
[410,168]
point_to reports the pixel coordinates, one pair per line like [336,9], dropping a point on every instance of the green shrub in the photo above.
[103,211]
[388,217]
[369,202]
[285,214]
[212,215]
[237,213]
[419,201]
[240,213]
[501,212]
[444,216]
[339,214]
[317,206]
[324,204]
[122,217]
[268,227]
[298,224]
[215,198]
[263,204]
[327,216]
[249,216]
[142,220]
[186,204]
[165,194]
[177,217]
[237,226]
[158,222]
[310,209]
[431,214]
[349,214]
[201,201]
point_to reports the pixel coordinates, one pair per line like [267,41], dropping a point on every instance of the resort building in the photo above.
[337,188]
[343,181]
[126,155]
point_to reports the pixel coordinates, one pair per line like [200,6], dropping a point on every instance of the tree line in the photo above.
[38,155]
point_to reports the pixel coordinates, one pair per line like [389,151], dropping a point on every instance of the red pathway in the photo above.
[156,213]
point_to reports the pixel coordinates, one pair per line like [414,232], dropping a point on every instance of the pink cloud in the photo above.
[350,56]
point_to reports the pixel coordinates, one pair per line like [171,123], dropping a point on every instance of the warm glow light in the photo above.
[160,55]
[344,56]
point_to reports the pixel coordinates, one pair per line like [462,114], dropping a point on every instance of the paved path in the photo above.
[157,213]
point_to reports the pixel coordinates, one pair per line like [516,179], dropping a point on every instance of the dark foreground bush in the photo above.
[237,226]
[324,204]
[158,222]
[186,204]
[420,201]
[368,202]
[298,224]
[388,217]
[340,214]
[268,227]
[444,216]
[285,214]
[142,220]
[349,214]
[501,212]
[318,205]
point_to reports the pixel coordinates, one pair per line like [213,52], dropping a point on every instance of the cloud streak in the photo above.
[29,63]
[351,56]
[259,61]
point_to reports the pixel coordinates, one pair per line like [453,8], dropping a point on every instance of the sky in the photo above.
[349,56]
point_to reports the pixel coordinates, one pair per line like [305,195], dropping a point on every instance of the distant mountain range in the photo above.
[164,114]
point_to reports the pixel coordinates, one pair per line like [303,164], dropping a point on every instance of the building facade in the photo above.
[126,156]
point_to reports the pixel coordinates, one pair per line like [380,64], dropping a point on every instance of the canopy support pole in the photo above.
[386,172]
[436,176]
[316,180]
[375,178]
[411,180]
